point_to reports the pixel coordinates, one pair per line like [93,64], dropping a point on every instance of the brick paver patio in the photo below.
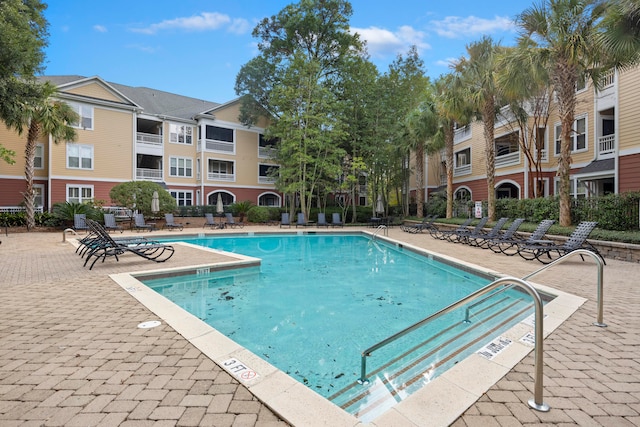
[71,353]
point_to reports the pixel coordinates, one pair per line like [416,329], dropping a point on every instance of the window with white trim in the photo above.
[180,134]
[578,136]
[181,167]
[38,195]
[79,193]
[85,116]
[79,156]
[577,189]
[38,160]
[183,198]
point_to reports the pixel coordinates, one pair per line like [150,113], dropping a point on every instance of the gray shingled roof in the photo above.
[153,101]
[598,166]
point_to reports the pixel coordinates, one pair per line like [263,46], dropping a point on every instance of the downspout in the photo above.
[49,172]
[616,131]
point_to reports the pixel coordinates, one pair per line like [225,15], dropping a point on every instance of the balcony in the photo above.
[266,180]
[220,146]
[508,159]
[218,176]
[266,152]
[148,138]
[462,170]
[606,145]
[149,174]
[462,134]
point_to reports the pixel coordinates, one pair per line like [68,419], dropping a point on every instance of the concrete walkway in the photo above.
[71,353]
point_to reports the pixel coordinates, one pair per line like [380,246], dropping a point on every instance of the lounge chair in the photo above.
[477,238]
[446,234]
[511,246]
[427,223]
[80,222]
[170,222]
[322,220]
[462,236]
[140,224]
[302,222]
[285,221]
[110,223]
[232,222]
[210,221]
[508,234]
[547,251]
[336,221]
[104,245]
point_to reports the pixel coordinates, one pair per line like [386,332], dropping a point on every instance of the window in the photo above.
[578,136]
[220,166]
[577,189]
[507,144]
[181,166]
[85,114]
[267,142]
[219,134]
[180,134]
[267,173]
[183,198]
[38,161]
[38,191]
[79,156]
[463,158]
[79,193]
[581,83]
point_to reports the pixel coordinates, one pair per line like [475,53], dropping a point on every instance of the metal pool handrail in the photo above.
[537,402]
[599,320]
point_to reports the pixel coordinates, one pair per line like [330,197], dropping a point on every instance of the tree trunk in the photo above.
[420,180]
[488,118]
[448,141]
[29,155]
[565,90]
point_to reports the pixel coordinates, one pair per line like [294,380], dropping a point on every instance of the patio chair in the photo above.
[475,239]
[322,220]
[104,246]
[231,222]
[170,223]
[210,221]
[80,222]
[427,222]
[462,235]
[302,222]
[508,234]
[335,220]
[547,251]
[511,246]
[444,234]
[140,224]
[285,221]
[110,223]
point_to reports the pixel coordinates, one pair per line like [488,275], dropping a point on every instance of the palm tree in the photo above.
[620,35]
[421,128]
[452,109]
[564,34]
[477,73]
[41,117]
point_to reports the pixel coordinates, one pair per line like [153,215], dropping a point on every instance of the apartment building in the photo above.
[195,149]
[605,148]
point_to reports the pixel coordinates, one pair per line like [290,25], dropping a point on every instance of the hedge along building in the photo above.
[195,149]
[605,148]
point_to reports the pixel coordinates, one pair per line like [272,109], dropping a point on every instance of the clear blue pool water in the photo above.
[318,300]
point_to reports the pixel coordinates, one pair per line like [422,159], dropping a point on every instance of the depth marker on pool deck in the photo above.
[239,370]
[494,348]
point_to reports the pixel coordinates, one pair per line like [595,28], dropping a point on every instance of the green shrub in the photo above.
[258,214]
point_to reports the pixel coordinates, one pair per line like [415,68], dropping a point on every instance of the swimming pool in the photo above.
[288,312]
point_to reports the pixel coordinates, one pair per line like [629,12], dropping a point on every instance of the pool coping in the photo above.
[444,399]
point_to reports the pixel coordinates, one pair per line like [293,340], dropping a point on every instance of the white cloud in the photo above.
[205,21]
[100,28]
[142,48]
[448,62]
[382,42]
[459,27]
[239,26]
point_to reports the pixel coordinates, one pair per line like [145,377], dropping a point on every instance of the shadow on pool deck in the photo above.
[71,352]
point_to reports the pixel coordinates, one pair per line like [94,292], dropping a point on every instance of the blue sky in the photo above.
[196,47]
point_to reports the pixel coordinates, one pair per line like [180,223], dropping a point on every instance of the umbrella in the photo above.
[219,205]
[379,205]
[155,203]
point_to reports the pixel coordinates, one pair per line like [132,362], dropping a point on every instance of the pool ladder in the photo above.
[537,401]
[381,228]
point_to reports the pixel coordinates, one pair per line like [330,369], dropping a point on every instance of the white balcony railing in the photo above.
[212,145]
[148,139]
[150,174]
[462,134]
[217,176]
[16,209]
[606,144]
[462,170]
[508,159]
[608,79]
[266,152]
[266,180]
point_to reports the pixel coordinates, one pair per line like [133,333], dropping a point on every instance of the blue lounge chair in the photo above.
[322,220]
[427,223]
[285,221]
[80,222]
[140,224]
[444,234]
[110,223]
[511,246]
[508,234]
[169,222]
[335,220]
[476,239]
[231,222]
[547,251]
[302,222]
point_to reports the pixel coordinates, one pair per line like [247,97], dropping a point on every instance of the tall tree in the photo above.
[23,37]
[295,80]
[565,35]
[478,74]
[44,116]
[620,32]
